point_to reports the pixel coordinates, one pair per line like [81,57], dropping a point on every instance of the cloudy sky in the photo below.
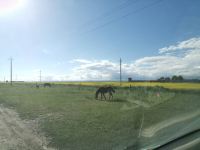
[84,39]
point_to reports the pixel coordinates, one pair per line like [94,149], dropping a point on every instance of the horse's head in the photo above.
[111,89]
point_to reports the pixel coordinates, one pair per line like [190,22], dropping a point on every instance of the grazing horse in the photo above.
[104,90]
[47,85]
[37,86]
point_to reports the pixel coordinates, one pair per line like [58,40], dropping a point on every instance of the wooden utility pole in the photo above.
[11,70]
[40,76]
[120,72]
[16,77]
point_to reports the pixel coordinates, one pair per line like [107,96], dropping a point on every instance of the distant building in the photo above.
[130,80]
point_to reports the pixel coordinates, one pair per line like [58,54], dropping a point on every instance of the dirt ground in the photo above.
[17,134]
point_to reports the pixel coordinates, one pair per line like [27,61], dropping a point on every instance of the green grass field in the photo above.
[71,117]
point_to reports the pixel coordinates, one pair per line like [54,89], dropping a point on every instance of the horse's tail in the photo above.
[97,93]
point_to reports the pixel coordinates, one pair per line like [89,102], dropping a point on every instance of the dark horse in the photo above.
[104,90]
[47,85]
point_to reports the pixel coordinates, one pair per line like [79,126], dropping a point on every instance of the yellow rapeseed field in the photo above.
[169,85]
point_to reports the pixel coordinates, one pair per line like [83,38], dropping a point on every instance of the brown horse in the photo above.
[103,91]
[47,85]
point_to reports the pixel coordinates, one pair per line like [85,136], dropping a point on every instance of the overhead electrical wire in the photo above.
[122,6]
[125,15]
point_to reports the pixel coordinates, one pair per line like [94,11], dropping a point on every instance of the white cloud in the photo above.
[80,61]
[186,63]
[198,67]
[93,70]
[46,52]
[193,43]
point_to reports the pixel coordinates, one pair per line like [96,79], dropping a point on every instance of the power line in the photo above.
[127,3]
[124,16]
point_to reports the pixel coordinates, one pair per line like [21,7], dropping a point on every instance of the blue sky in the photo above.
[84,39]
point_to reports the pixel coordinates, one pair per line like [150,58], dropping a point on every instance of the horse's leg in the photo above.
[101,96]
[104,96]
[96,96]
[111,95]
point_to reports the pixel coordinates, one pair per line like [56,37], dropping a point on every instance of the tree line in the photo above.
[174,78]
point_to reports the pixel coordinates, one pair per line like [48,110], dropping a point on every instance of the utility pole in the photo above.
[40,76]
[16,77]
[120,71]
[11,71]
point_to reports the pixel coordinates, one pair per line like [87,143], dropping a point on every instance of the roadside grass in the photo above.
[71,117]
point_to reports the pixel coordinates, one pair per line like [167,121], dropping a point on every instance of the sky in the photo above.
[70,40]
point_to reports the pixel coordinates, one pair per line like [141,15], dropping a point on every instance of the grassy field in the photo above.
[70,116]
